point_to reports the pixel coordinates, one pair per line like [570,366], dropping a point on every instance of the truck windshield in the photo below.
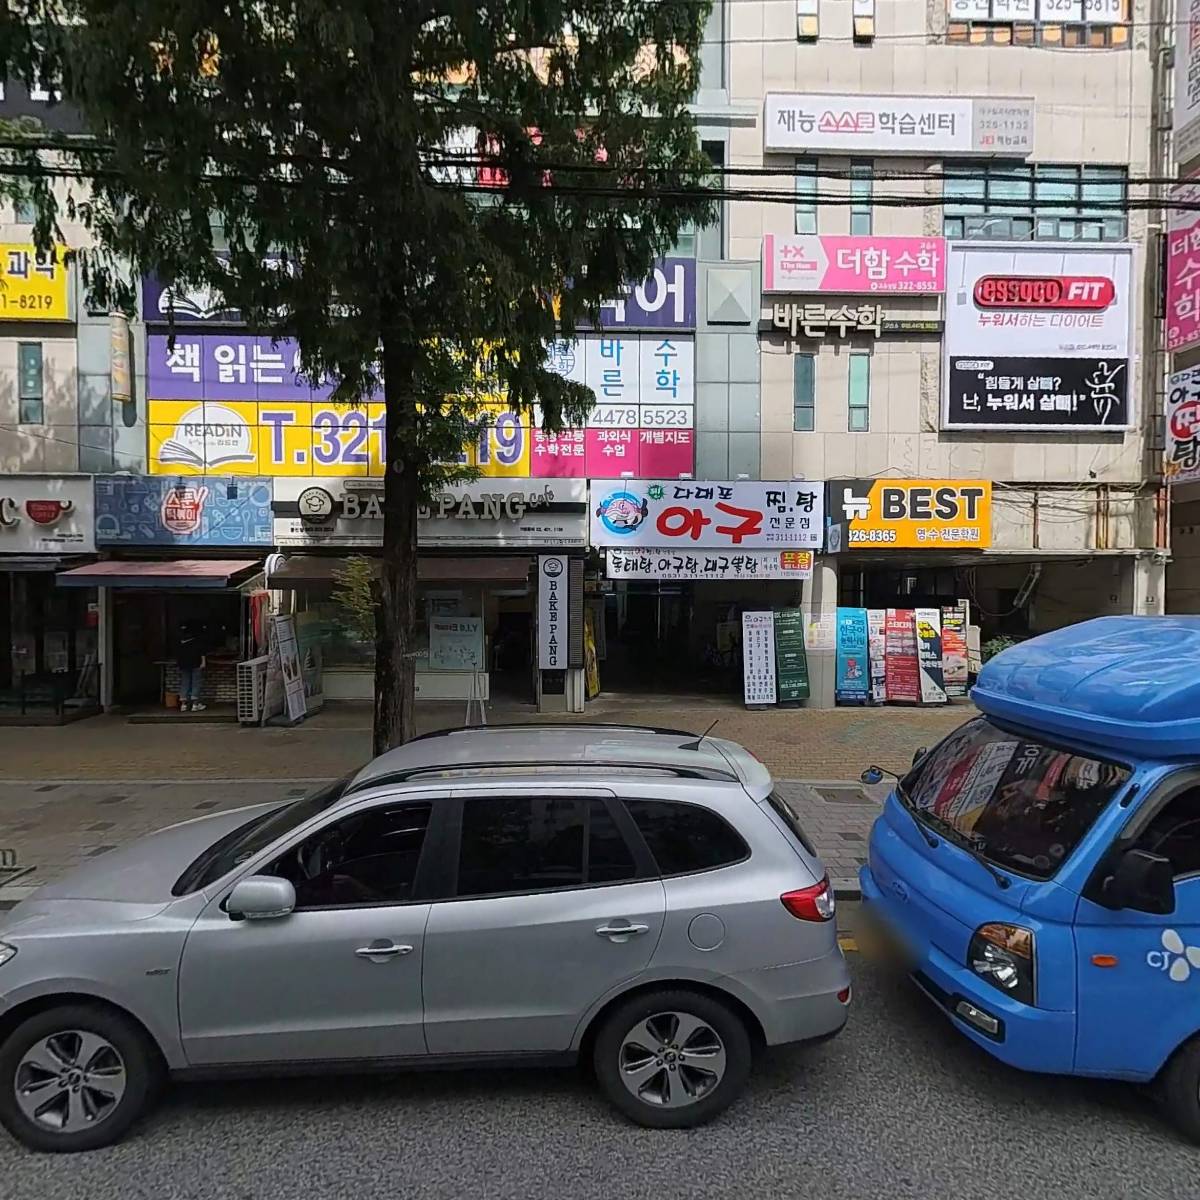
[1015,800]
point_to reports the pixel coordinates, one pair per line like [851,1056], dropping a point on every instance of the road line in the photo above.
[847,943]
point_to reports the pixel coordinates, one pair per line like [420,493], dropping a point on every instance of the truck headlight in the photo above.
[6,952]
[1003,955]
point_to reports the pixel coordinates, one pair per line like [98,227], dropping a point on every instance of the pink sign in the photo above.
[1183,272]
[853,265]
[612,453]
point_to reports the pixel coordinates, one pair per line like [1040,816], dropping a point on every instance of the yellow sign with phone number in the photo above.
[32,289]
[299,437]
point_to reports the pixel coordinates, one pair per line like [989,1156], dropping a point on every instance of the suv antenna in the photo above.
[696,744]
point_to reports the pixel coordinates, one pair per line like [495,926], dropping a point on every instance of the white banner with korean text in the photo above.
[658,563]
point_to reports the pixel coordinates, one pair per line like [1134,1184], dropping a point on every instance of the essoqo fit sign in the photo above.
[909,514]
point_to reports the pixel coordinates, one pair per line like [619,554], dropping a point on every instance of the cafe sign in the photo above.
[47,514]
[497,514]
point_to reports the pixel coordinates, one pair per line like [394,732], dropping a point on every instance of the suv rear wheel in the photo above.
[75,1078]
[672,1059]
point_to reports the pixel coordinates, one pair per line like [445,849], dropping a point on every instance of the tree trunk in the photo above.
[396,613]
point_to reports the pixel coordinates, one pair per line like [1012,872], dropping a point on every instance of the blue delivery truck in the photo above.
[1039,869]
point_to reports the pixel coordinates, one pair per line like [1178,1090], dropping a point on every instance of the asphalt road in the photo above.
[898,1106]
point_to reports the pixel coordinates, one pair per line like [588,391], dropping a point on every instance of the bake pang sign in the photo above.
[689,515]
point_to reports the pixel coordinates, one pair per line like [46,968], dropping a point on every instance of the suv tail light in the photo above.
[814,903]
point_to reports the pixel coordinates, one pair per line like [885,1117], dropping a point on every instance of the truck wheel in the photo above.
[1179,1089]
[75,1078]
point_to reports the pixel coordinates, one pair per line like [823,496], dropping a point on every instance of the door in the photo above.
[1133,1012]
[340,976]
[552,910]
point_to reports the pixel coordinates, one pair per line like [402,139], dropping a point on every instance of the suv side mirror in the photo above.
[1142,881]
[259,897]
[919,753]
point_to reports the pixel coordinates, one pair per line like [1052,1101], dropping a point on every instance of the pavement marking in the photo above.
[847,942]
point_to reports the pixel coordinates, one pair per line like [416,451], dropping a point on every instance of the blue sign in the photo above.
[203,510]
[853,684]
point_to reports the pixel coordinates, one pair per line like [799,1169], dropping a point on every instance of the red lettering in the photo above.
[683,522]
[751,523]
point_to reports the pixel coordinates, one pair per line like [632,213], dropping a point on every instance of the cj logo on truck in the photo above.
[1175,958]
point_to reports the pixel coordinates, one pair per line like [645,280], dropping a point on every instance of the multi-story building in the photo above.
[954,280]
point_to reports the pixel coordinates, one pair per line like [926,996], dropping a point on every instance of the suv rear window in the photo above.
[791,818]
[1015,800]
[685,838]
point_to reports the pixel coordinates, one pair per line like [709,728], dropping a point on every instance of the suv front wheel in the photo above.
[672,1059]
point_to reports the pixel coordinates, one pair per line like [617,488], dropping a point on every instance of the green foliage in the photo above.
[323,138]
[355,591]
[994,645]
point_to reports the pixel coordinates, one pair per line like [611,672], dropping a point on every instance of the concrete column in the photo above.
[820,609]
[1149,584]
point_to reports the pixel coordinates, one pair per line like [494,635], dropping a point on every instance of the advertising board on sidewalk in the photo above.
[791,659]
[853,684]
[758,658]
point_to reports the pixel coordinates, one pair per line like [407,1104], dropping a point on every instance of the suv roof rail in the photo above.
[611,726]
[517,767]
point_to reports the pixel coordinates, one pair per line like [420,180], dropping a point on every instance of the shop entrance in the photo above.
[146,631]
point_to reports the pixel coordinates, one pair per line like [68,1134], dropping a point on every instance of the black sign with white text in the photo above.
[1039,393]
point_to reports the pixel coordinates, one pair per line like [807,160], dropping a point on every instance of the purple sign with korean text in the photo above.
[666,300]
[227,366]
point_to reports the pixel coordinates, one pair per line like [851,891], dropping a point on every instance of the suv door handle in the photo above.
[391,950]
[621,933]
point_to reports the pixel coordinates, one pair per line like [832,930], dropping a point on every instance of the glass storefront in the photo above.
[50,667]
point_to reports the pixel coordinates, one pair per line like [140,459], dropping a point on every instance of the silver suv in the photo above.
[636,898]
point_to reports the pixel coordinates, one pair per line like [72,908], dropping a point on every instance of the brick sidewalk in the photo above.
[795,744]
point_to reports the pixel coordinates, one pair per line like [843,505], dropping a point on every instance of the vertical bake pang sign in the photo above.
[239,404]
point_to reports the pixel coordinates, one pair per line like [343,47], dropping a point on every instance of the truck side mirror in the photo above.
[1142,881]
[871,775]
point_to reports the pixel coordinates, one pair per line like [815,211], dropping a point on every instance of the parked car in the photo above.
[641,899]
[1039,870]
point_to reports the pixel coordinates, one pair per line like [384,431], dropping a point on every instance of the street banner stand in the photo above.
[853,684]
[758,658]
[929,655]
[791,660]
[901,672]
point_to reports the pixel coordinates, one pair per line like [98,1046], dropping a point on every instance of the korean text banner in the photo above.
[853,265]
[1181,455]
[1085,393]
[677,515]
[853,682]
[912,514]
[32,289]
[1183,268]
[1186,124]
[922,125]
[134,510]
[680,564]
[1014,314]
[237,404]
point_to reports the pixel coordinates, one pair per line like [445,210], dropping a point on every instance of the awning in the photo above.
[33,562]
[301,569]
[211,573]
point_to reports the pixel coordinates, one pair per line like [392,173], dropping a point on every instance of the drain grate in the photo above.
[848,794]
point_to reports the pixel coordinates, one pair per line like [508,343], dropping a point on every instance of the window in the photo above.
[1174,832]
[806,196]
[685,837]
[860,196]
[31,408]
[539,844]
[859,394]
[247,840]
[23,210]
[791,818]
[1018,802]
[1013,201]
[369,857]
[1039,22]
[803,373]
[706,241]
